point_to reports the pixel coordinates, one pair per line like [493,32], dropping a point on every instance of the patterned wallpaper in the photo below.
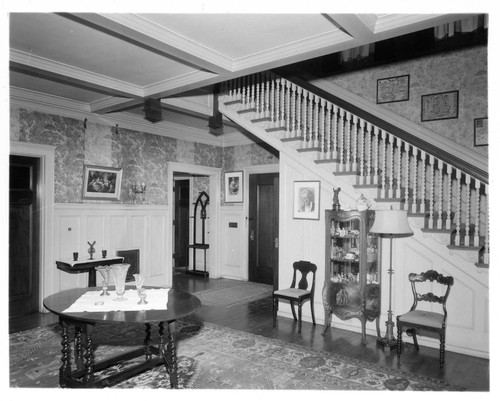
[142,156]
[463,70]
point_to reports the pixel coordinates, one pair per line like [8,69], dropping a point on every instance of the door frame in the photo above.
[213,210]
[251,170]
[46,155]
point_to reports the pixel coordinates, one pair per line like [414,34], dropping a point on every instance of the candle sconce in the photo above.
[138,190]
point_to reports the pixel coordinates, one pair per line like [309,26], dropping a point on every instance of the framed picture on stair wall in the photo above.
[393,89]
[233,186]
[481,131]
[306,196]
[440,106]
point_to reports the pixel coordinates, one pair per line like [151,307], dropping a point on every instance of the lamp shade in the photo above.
[391,222]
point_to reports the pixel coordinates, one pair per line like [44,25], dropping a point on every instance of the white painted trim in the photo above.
[214,210]
[46,155]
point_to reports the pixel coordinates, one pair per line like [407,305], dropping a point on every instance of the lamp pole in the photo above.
[389,340]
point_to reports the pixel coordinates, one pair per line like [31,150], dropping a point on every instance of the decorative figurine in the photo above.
[91,250]
[336,203]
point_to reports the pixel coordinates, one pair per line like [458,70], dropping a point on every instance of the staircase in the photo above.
[450,199]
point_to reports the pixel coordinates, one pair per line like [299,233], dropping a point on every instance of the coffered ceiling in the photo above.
[103,66]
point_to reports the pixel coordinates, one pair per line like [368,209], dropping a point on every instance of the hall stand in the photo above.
[202,202]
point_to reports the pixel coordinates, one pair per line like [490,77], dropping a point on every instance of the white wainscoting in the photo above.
[114,227]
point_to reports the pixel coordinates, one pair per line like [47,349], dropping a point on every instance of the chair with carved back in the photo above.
[300,291]
[421,321]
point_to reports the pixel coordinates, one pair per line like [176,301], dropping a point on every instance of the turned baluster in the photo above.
[450,196]
[423,177]
[415,180]
[369,153]
[293,108]
[272,99]
[322,138]
[390,161]
[431,191]
[486,253]
[458,213]
[375,163]
[362,151]
[335,132]
[340,148]
[347,141]
[468,190]
[310,136]
[267,92]
[440,195]
[304,120]
[383,164]
[315,122]
[288,125]
[328,130]
[354,143]
[398,168]
[407,176]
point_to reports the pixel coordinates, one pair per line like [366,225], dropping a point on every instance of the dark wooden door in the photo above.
[263,228]
[24,236]
[181,223]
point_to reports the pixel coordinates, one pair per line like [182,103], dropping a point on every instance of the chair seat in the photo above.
[292,293]
[423,318]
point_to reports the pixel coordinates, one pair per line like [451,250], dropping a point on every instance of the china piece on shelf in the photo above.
[363,203]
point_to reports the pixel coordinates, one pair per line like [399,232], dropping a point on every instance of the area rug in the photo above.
[213,357]
[234,295]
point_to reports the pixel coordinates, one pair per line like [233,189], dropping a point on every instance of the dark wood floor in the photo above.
[256,317]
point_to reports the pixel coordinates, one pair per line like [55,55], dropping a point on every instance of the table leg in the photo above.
[78,348]
[170,357]
[65,369]
[147,342]
[88,378]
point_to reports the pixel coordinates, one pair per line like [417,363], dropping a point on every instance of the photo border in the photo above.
[427,115]
[306,215]
[391,83]
[105,195]
[233,198]
[481,137]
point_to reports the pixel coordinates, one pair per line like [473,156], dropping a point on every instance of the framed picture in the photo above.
[306,200]
[440,106]
[233,184]
[481,131]
[393,89]
[102,182]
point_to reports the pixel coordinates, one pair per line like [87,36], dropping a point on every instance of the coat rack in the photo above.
[202,202]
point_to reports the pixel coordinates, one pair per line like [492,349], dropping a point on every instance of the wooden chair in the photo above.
[423,322]
[299,292]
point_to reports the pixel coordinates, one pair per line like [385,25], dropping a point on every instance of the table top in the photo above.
[93,262]
[180,304]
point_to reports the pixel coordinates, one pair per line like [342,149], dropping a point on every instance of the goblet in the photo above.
[120,272]
[139,281]
[104,271]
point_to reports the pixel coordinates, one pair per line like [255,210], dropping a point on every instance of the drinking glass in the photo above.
[120,273]
[104,271]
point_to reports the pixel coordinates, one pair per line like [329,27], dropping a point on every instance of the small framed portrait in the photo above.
[440,106]
[393,89]
[481,131]
[306,200]
[233,186]
[102,182]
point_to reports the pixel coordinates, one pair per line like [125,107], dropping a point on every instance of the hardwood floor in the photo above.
[256,317]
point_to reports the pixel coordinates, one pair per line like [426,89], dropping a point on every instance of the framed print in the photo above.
[481,131]
[440,106]
[233,184]
[306,200]
[393,89]
[102,182]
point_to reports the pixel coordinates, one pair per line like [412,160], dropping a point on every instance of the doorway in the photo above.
[263,228]
[24,235]
[181,223]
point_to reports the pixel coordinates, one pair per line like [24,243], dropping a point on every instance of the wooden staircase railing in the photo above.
[450,199]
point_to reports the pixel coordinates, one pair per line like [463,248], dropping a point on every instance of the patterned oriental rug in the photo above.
[213,357]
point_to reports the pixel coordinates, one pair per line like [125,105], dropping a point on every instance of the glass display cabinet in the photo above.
[352,277]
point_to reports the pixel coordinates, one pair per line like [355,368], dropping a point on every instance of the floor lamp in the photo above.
[390,223]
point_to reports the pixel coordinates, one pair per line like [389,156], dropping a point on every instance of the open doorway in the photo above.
[188,181]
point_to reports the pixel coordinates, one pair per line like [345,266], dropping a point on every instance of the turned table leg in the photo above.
[170,357]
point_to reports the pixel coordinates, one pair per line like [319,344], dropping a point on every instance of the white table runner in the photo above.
[92,301]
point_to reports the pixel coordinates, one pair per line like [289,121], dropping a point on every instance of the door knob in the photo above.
[276,243]
[252,235]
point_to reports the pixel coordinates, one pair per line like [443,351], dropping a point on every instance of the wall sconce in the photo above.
[138,190]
